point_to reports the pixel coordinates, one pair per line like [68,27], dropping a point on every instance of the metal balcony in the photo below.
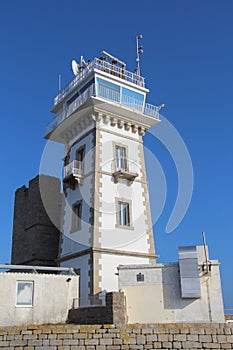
[73,173]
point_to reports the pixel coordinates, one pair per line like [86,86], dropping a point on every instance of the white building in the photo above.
[101,117]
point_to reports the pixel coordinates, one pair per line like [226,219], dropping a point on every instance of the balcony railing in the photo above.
[74,168]
[102,66]
[107,94]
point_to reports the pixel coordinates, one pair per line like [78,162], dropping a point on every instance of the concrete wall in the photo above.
[35,237]
[109,337]
[158,297]
[52,298]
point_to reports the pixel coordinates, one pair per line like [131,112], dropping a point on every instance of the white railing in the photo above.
[74,168]
[105,67]
[152,111]
[71,108]
[108,94]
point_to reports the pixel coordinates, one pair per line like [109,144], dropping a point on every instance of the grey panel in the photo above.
[189,276]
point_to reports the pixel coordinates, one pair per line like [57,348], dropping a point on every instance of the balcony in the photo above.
[108,95]
[73,173]
[124,168]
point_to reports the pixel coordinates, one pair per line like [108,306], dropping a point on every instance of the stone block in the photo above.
[55,342]
[151,338]
[167,344]
[226,346]
[211,346]
[191,345]
[91,341]
[162,337]
[207,338]
[34,342]
[18,343]
[229,338]
[140,339]
[100,347]
[106,341]
[177,345]
[192,337]
[180,337]
[222,338]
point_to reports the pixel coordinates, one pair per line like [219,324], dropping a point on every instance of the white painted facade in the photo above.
[163,302]
[31,298]
[113,115]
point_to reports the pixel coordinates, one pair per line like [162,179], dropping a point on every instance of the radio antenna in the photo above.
[59,82]
[139,51]
[205,249]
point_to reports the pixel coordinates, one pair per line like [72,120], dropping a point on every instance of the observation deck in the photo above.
[107,81]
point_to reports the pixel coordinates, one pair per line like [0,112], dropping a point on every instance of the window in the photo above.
[76,216]
[140,277]
[121,158]
[80,154]
[24,293]
[123,214]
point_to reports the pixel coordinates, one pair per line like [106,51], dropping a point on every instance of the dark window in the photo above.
[140,277]
[76,217]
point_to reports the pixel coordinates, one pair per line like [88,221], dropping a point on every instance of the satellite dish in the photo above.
[75,67]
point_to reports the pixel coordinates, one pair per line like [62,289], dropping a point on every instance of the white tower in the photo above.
[101,116]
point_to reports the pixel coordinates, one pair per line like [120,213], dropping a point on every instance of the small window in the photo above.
[24,293]
[140,277]
[76,216]
[80,154]
[123,214]
[121,158]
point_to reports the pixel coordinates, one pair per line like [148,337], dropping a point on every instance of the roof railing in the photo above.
[104,66]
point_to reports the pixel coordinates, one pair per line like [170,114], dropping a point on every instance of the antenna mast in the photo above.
[139,51]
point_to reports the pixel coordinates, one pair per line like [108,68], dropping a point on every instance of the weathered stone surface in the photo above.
[111,337]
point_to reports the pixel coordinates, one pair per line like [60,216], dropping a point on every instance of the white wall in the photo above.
[52,298]
[158,298]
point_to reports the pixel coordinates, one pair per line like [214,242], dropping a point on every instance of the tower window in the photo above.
[123,215]
[121,158]
[76,216]
[80,154]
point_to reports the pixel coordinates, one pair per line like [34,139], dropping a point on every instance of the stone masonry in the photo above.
[111,337]
[35,238]
[114,312]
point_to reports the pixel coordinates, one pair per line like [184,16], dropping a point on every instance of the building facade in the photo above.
[101,117]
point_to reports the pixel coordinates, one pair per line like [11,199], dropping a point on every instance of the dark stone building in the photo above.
[36,231]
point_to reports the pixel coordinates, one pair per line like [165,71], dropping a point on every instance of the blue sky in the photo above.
[187,64]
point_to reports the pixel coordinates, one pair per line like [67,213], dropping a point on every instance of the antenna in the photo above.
[78,67]
[59,82]
[113,59]
[75,67]
[139,51]
[206,259]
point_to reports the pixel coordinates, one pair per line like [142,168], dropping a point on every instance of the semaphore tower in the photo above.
[101,117]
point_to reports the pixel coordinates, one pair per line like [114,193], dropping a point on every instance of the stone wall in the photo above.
[113,312]
[110,337]
[35,237]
